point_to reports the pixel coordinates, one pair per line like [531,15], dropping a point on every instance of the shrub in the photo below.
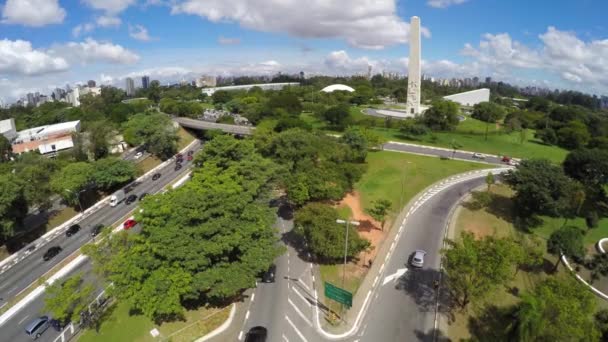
[592,219]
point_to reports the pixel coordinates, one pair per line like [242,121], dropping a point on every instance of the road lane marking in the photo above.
[241,335]
[299,312]
[23,319]
[394,276]
[252,296]
[285,338]
[301,296]
[296,329]
[381,268]
[247,315]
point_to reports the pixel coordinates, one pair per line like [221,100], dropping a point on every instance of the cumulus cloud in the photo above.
[140,33]
[228,41]
[90,51]
[108,21]
[19,58]
[444,3]
[501,51]
[82,29]
[110,6]
[33,13]
[371,24]
[339,62]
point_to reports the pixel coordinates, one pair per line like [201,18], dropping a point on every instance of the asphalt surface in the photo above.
[32,267]
[429,150]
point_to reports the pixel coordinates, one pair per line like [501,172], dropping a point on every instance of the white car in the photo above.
[138,155]
[418,258]
[513,162]
[477,155]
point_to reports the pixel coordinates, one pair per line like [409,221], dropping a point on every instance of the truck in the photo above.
[117,197]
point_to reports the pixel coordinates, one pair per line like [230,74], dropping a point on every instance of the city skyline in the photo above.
[109,41]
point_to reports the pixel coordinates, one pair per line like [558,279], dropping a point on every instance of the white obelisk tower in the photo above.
[413,78]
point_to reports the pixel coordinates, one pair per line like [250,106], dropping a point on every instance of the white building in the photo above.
[7,128]
[339,87]
[46,139]
[264,86]
[206,81]
[130,86]
[73,97]
[470,98]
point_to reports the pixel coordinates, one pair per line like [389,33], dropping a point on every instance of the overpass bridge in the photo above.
[205,125]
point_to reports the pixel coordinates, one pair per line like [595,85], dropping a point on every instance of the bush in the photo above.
[547,136]
[592,219]
[481,199]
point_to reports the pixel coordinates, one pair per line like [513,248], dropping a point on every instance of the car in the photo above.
[56,324]
[37,327]
[189,158]
[138,155]
[506,159]
[132,198]
[75,228]
[478,155]
[130,223]
[178,167]
[179,156]
[156,176]
[51,252]
[418,258]
[513,162]
[190,152]
[268,276]
[256,334]
[142,196]
[96,229]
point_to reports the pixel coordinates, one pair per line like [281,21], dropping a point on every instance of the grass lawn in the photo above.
[185,138]
[148,164]
[60,217]
[398,177]
[344,212]
[550,224]
[119,326]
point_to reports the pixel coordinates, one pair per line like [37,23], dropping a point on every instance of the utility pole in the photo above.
[347,223]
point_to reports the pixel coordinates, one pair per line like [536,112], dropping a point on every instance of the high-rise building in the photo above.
[414,70]
[369,72]
[91,84]
[301,75]
[30,99]
[475,81]
[130,87]
[488,80]
[145,82]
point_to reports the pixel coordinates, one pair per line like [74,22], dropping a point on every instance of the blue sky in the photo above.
[48,43]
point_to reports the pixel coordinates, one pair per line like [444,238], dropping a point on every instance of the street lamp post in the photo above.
[347,222]
[77,197]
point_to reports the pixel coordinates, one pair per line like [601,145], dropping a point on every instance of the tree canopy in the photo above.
[65,300]
[442,116]
[155,131]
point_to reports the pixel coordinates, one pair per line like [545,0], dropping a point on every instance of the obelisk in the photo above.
[413,72]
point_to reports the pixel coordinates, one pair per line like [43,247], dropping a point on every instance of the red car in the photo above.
[189,157]
[130,223]
[506,159]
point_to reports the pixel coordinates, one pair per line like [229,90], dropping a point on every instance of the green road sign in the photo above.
[338,294]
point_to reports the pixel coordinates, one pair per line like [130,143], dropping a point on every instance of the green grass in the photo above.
[119,325]
[592,236]
[148,164]
[185,138]
[398,177]
[344,212]
[60,217]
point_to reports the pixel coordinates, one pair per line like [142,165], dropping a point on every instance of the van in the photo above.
[117,197]
[37,327]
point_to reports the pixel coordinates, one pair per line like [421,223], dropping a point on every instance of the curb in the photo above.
[221,328]
[596,291]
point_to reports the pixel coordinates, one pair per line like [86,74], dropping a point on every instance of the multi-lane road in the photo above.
[29,269]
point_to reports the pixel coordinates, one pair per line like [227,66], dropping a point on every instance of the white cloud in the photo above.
[18,57]
[34,13]
[444,3]
[228,41]
[501,51]
[110,6]
[108,21]
[339,62]
[371,24]
[140,33]
[82,29]
[91,51]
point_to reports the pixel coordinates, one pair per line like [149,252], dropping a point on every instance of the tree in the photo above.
[100,133]
[357,143]
[316,222]
[204,242]
[155,131]
[455,147]
[337,116]
[489,112]
[442,116]
[71,180]
[541,188]
[558,309]
[547,136]
[568,241]
[490,180]
[221,97]
[112,172]
[588,166]
[474,267]
[286,101]
[154,91]
[34,172]
[573,135]
[380,210]
[13,206]
[6,149]
[66,300]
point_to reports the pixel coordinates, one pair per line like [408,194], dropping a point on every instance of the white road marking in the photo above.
[296,329]
[252,296]
[375,281]
[285,338]
[241,335]
[305,286]
[301,296]
[381,268]
[247,315]
[394,276]
[299,312]
[23,319]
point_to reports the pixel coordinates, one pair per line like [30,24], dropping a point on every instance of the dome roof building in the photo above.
[334,87]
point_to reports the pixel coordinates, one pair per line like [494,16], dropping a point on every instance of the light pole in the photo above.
[347,223]
[77,196]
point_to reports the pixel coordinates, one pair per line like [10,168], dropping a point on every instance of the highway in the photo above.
[29,269]
[441,152]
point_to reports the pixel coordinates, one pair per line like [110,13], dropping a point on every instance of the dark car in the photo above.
[131,199]
[178,167]
[142,196]
[96,229]
[190,152]
[505,159]
[51,252]
[56,324]
[156,176]
[72,230]
[179,156]
[268,276]
[256,334]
